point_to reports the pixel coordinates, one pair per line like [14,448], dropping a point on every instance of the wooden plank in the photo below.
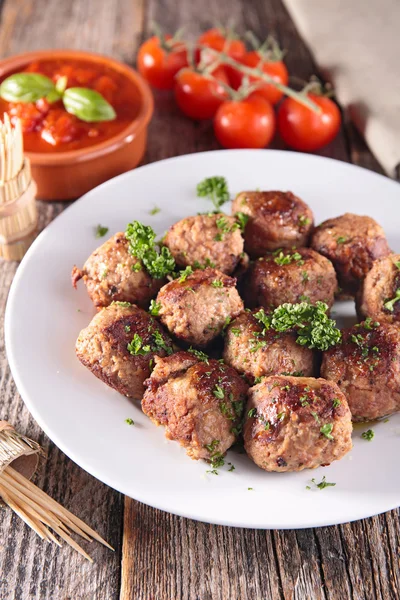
[28,567]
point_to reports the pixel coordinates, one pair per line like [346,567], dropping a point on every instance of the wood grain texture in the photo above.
[166,557]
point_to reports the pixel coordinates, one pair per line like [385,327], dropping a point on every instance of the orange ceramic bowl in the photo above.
[68,175]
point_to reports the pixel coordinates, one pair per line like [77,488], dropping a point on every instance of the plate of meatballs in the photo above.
[218,335]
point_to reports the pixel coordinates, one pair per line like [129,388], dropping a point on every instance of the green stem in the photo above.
[259,73]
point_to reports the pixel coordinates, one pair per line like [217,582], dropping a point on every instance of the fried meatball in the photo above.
[352,243]
[276,220]
[119,346]
[290,276]
[196,308]
[111,273]
[213,240]
[296,423]
[377,295]
[256,353]
[200,403]
[366,367]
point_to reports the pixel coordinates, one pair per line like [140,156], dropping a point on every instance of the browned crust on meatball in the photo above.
[379,286]
[352,243]
[284,417]
[109,275]
[309,276]
[212,239]
[102,347]
[276,220]
[196,310]
[366,367]
[184,395]
[257,354]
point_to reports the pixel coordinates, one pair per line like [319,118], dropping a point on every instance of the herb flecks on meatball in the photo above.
[366,367]
[119,346]
[295,423]
[199,400]
[197,306]
[112,273]
[352,243]
[256,352]
[290,275]
[379,295]
[276,220]
[213,240]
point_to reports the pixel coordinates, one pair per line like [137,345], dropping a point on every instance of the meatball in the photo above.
[119,346]
[276,220]
[366,367]
[290,276]
[112,273]
[213,240]
[200,402]
[296,423]
[196,307]
[378,296]
[256,352]
[352,243]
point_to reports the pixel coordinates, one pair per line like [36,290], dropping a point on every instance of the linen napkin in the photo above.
[356,45]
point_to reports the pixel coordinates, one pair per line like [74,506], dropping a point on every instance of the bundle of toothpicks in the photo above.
[19,460]
[18,211]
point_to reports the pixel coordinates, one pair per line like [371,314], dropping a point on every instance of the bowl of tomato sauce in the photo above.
[70,154]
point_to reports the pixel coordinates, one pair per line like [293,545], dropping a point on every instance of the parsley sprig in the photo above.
[310,321]
[216,189]
[158,262]
[389,304]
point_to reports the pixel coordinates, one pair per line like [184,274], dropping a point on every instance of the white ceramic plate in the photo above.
[86,419]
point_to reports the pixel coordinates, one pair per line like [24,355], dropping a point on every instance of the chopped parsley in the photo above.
[321,485]
[341,240]
[368,435]
[202,356]
[232,467]
[136,346]
[326,430]
[129,421]
[250,489]
[242,220]
[218,392]
[136,267]
[216,189]
[141,238]
[235,331]
[100,231]
[123,304]
[305,277]
[160,342]
[252,413]
[389,304]
[303,221]
[217,283]
[397,264]
[185,274]
[212,446]
[154,210]
[207,263]
[127,328]
[280,258]
[336,402]
[313,327]
[280,416]
[155,308]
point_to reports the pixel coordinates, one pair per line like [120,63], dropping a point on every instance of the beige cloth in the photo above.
[356,44]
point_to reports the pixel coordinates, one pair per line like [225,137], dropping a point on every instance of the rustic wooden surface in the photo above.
[159,556]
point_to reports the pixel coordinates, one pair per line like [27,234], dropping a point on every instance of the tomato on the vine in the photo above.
[197,96]
[160,59]
[217,40]
[275,69]
[248,123]
[303,129]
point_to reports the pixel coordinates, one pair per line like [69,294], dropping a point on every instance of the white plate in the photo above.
[86,419]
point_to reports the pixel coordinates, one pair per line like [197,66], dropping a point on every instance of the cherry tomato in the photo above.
[198,97]
[303,129]
[159,65]
[246,123]
[215,39]
[276,69]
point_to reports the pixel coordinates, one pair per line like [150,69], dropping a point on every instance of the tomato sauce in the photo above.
[50,128]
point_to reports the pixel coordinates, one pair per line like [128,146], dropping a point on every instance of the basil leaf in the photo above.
[88,105]
[25,87]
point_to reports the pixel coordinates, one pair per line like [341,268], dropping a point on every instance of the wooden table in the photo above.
[159,556]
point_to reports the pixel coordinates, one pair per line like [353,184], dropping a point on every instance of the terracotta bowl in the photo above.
[68,175]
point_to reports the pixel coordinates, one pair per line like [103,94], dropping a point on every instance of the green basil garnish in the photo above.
[88,105]
[25,87]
